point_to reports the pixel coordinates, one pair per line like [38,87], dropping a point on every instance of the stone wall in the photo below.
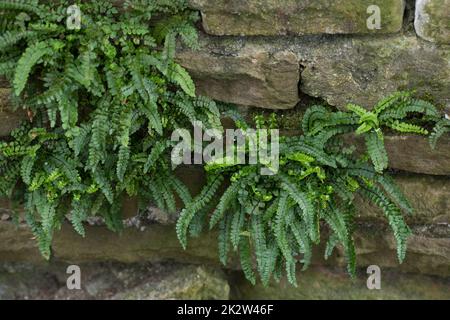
[280,50]
[276,54]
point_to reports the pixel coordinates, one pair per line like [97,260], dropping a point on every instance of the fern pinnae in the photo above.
[442,127]
[228,196]
[281,237]
[197,204]
[31,56]
[308,211]
[332,242]
[377,151]
[224,239]
[298,229]
[394,192]
[246,259]
[122,161]
[237,223]
[26,168]
[259,240]
[181,190]
[394,216]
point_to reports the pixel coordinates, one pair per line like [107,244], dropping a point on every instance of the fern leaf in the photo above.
[236,227]
[29,59]
[228,196]
[224,239]
[122,162]
[404,127]
[26,168]
[308,211]
[377,151]
[188,213]
[246,260]
[441,128]
[178,75]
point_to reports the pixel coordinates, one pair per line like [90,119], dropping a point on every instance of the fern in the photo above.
[246,259]
[224,203]
[376,151]
[394,216]
[408,128]
[308,212]
[197,204]
[224,239]
[237,223]
[25,64]
[441,128]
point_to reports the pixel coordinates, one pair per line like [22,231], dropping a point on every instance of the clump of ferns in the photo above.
[102,102]
[279,217]
[399,112]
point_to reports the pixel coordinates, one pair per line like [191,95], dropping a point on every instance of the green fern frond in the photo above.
[404,127]
[308,211]
[224,239]
[394,216]
[442,127]
[188,213]
[29,59]
[122,161]
[246,260]
[224,203]
[377,151]
[237,223]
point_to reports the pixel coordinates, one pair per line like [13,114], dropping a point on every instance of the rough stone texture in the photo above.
[187,283]
[413,153]
[154,243]
[364,71]
[114,281]
[428,249]
[275,17]
[249,76]
[432,20]
[8,119]
[332,284]
[262,72]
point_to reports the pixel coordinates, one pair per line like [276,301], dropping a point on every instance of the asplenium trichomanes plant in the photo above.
[278,218]
[391,112]
[102,102]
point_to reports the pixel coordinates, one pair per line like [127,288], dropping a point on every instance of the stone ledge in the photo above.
[412,153]
[263,72]
[428,252]
[249,76]
[334,284]
[275,17]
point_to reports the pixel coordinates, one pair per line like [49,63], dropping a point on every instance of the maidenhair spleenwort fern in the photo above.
[103,101]
[399,112]
[272,222]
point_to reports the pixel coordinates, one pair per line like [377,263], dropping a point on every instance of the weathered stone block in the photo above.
[275,17]
[365,70]
[332,284]
[413,153]
[432,20]
[115,281]
[245,74]
[263,72]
